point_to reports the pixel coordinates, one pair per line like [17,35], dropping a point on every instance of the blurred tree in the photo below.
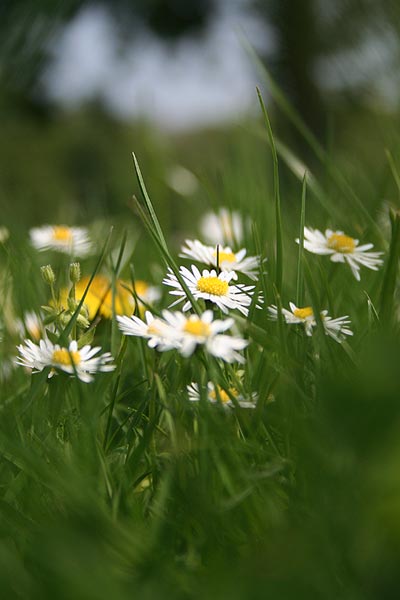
[27,28]
[296,25]
[312,29]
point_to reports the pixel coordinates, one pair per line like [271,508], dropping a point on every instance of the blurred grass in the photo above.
[121,488]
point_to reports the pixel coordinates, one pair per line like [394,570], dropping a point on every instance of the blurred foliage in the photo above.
[27,30]
[210,509]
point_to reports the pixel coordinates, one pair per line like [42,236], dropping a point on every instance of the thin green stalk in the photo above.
[65,333]
[115,272]
[389,282]
[277,199]
[292,114]
[393,168]
[300,275]
[161,245]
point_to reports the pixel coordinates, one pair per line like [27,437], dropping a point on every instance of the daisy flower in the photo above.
[82,362]
[182,181]
[223,227]
[210,286]
[158,332]
[228,260]
[99,298]
[335,328]
[74,241]
[342,248]
[31,324]
[6,369]
[193,331]
[216,394]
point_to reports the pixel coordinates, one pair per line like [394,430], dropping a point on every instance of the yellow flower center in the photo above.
[153,328]
[225,256]
[213,285]
[65,357]
[62,233]
[35,332]
[341,243]
[303,313]
[222,394]
[197,327]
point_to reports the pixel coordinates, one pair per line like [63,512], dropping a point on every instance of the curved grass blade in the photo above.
[152,224]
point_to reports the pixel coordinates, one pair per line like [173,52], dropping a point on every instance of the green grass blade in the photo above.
[148,203]
[299,285]
[393,168]
[277,199]
[152,224]
[390,278]
[292,114]
[65,333]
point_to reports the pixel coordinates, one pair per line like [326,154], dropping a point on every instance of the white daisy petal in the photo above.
[342,248]
[81,363]
[335,328]
[74,241]
[225,227]
[201,330]
[159,334]
[210,286]
[227,259]
[217,395]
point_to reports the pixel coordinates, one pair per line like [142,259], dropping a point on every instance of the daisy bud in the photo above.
[72,304]
[74,272]
[84,311]
[82,321]
[64,319]
[48,274]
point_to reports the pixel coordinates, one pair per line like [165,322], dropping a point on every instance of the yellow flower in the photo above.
[99,298]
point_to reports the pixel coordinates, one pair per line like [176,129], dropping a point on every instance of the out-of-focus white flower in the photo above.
[335,328]
[194,330]
[74,241]
[4,234]
[216,394]
[177,331]
[6,369]
[159,334]
[224,227]
[182,181]
[30,324]
[227,259]
[210,286]
[84,362]
[342,248]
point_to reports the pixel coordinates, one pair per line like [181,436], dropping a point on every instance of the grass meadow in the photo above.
[275,474]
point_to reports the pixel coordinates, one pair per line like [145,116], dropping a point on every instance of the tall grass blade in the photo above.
[390,278]
[293,115]
[277,199]
[153,226]
[65,333]
[300,285]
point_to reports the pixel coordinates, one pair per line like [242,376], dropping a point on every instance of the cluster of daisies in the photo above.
[342,249]
[205,292]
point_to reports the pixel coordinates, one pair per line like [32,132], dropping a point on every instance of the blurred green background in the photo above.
[70,118]
[82,84]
